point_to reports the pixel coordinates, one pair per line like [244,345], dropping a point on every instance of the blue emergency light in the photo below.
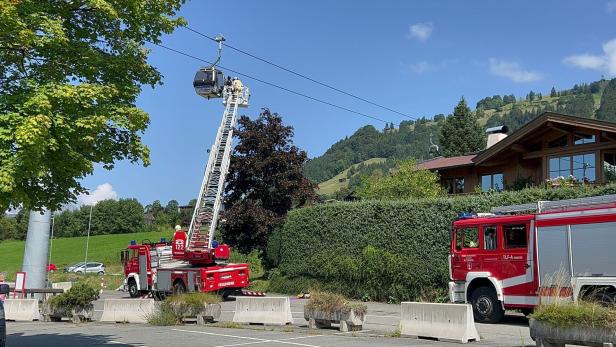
[133,242]
[214,243]
[163,240]
[466,215]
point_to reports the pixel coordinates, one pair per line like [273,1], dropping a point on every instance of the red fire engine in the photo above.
[521,255]
[194,261]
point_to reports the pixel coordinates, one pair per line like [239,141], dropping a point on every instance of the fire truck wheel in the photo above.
[486,307]
[132,288]
[605,298]
[179,288]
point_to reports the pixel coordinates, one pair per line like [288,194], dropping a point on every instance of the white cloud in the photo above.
[103,192]
[512,71]
[601,62]
[610,6]
[421,67]
[421,31]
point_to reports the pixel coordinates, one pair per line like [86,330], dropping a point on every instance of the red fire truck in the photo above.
[194,261]
[152,268]
[521,255]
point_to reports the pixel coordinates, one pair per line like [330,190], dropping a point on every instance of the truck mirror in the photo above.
[4,289]
[123,256]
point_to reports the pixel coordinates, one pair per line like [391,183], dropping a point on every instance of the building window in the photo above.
[454,185]
[492,182]
[582,139]
[559,142]
[515,236]
[580,166]
[609,167]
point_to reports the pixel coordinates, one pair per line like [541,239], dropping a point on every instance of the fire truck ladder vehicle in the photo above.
[520,256]
[194,261]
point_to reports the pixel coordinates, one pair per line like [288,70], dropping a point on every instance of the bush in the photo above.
[253,259]
[383,250]
[80,296]
[173,310]
[331,303]
[166,315]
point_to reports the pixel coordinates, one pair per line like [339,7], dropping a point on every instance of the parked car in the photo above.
[4,289]
[91,267]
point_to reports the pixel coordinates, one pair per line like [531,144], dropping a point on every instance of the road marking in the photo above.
[258,340]
[215,334]
[350,332]
[376,315]
[245,343]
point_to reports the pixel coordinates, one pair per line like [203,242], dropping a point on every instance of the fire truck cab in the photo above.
[516,261]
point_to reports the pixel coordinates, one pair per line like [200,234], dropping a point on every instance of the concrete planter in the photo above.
[208,314]
[76,315]
[546,335]
[348,320]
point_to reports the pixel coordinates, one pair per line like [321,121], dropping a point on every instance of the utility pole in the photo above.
[85,262]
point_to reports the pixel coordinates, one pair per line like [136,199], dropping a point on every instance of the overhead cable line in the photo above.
[301,75]
[269,83]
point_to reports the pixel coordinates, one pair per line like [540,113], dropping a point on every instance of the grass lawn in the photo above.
[69,250]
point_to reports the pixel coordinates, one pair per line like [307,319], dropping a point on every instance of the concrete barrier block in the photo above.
[263,310]
[22,309]
[127,310]
[62,285]
[446,322]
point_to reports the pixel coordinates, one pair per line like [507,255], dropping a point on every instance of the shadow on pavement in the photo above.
[60,340]
[515,320]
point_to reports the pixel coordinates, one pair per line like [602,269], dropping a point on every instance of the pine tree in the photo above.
[553,92]
[607,110]
[461,133]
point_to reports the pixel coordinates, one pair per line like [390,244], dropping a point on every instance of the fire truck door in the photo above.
[489,253]
[517,270]
[464,257]
[143,272]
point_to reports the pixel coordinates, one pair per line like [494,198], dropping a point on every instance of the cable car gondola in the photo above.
[209,82]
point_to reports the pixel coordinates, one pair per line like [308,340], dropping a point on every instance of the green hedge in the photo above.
[383,249]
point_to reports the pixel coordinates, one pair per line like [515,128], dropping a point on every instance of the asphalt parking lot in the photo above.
[381,323]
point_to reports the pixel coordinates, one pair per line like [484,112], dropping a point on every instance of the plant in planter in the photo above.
[75,303]
[204,307]
[578,323]
[325,308]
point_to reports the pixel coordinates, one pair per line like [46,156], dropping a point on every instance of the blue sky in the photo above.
[415,57]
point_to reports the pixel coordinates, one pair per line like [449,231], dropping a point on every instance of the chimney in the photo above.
[495,134]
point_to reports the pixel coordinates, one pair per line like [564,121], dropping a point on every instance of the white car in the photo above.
[92,267]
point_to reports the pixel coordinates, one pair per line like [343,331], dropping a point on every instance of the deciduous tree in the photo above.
[70,73]
[265,181]
[404,183]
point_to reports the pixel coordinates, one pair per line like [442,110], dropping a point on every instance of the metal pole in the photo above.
[53,219]
[37,246]
[85,263]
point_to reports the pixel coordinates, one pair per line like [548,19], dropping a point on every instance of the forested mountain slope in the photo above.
[412,138]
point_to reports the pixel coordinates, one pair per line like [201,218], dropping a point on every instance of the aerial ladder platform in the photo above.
[210,199]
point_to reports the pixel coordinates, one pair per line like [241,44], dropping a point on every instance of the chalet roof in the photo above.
[451,162]
[545,119]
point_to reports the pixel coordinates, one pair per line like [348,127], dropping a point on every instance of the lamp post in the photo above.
[53,219]
[85,262]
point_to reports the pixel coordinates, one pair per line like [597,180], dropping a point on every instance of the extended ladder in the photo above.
[205,215]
